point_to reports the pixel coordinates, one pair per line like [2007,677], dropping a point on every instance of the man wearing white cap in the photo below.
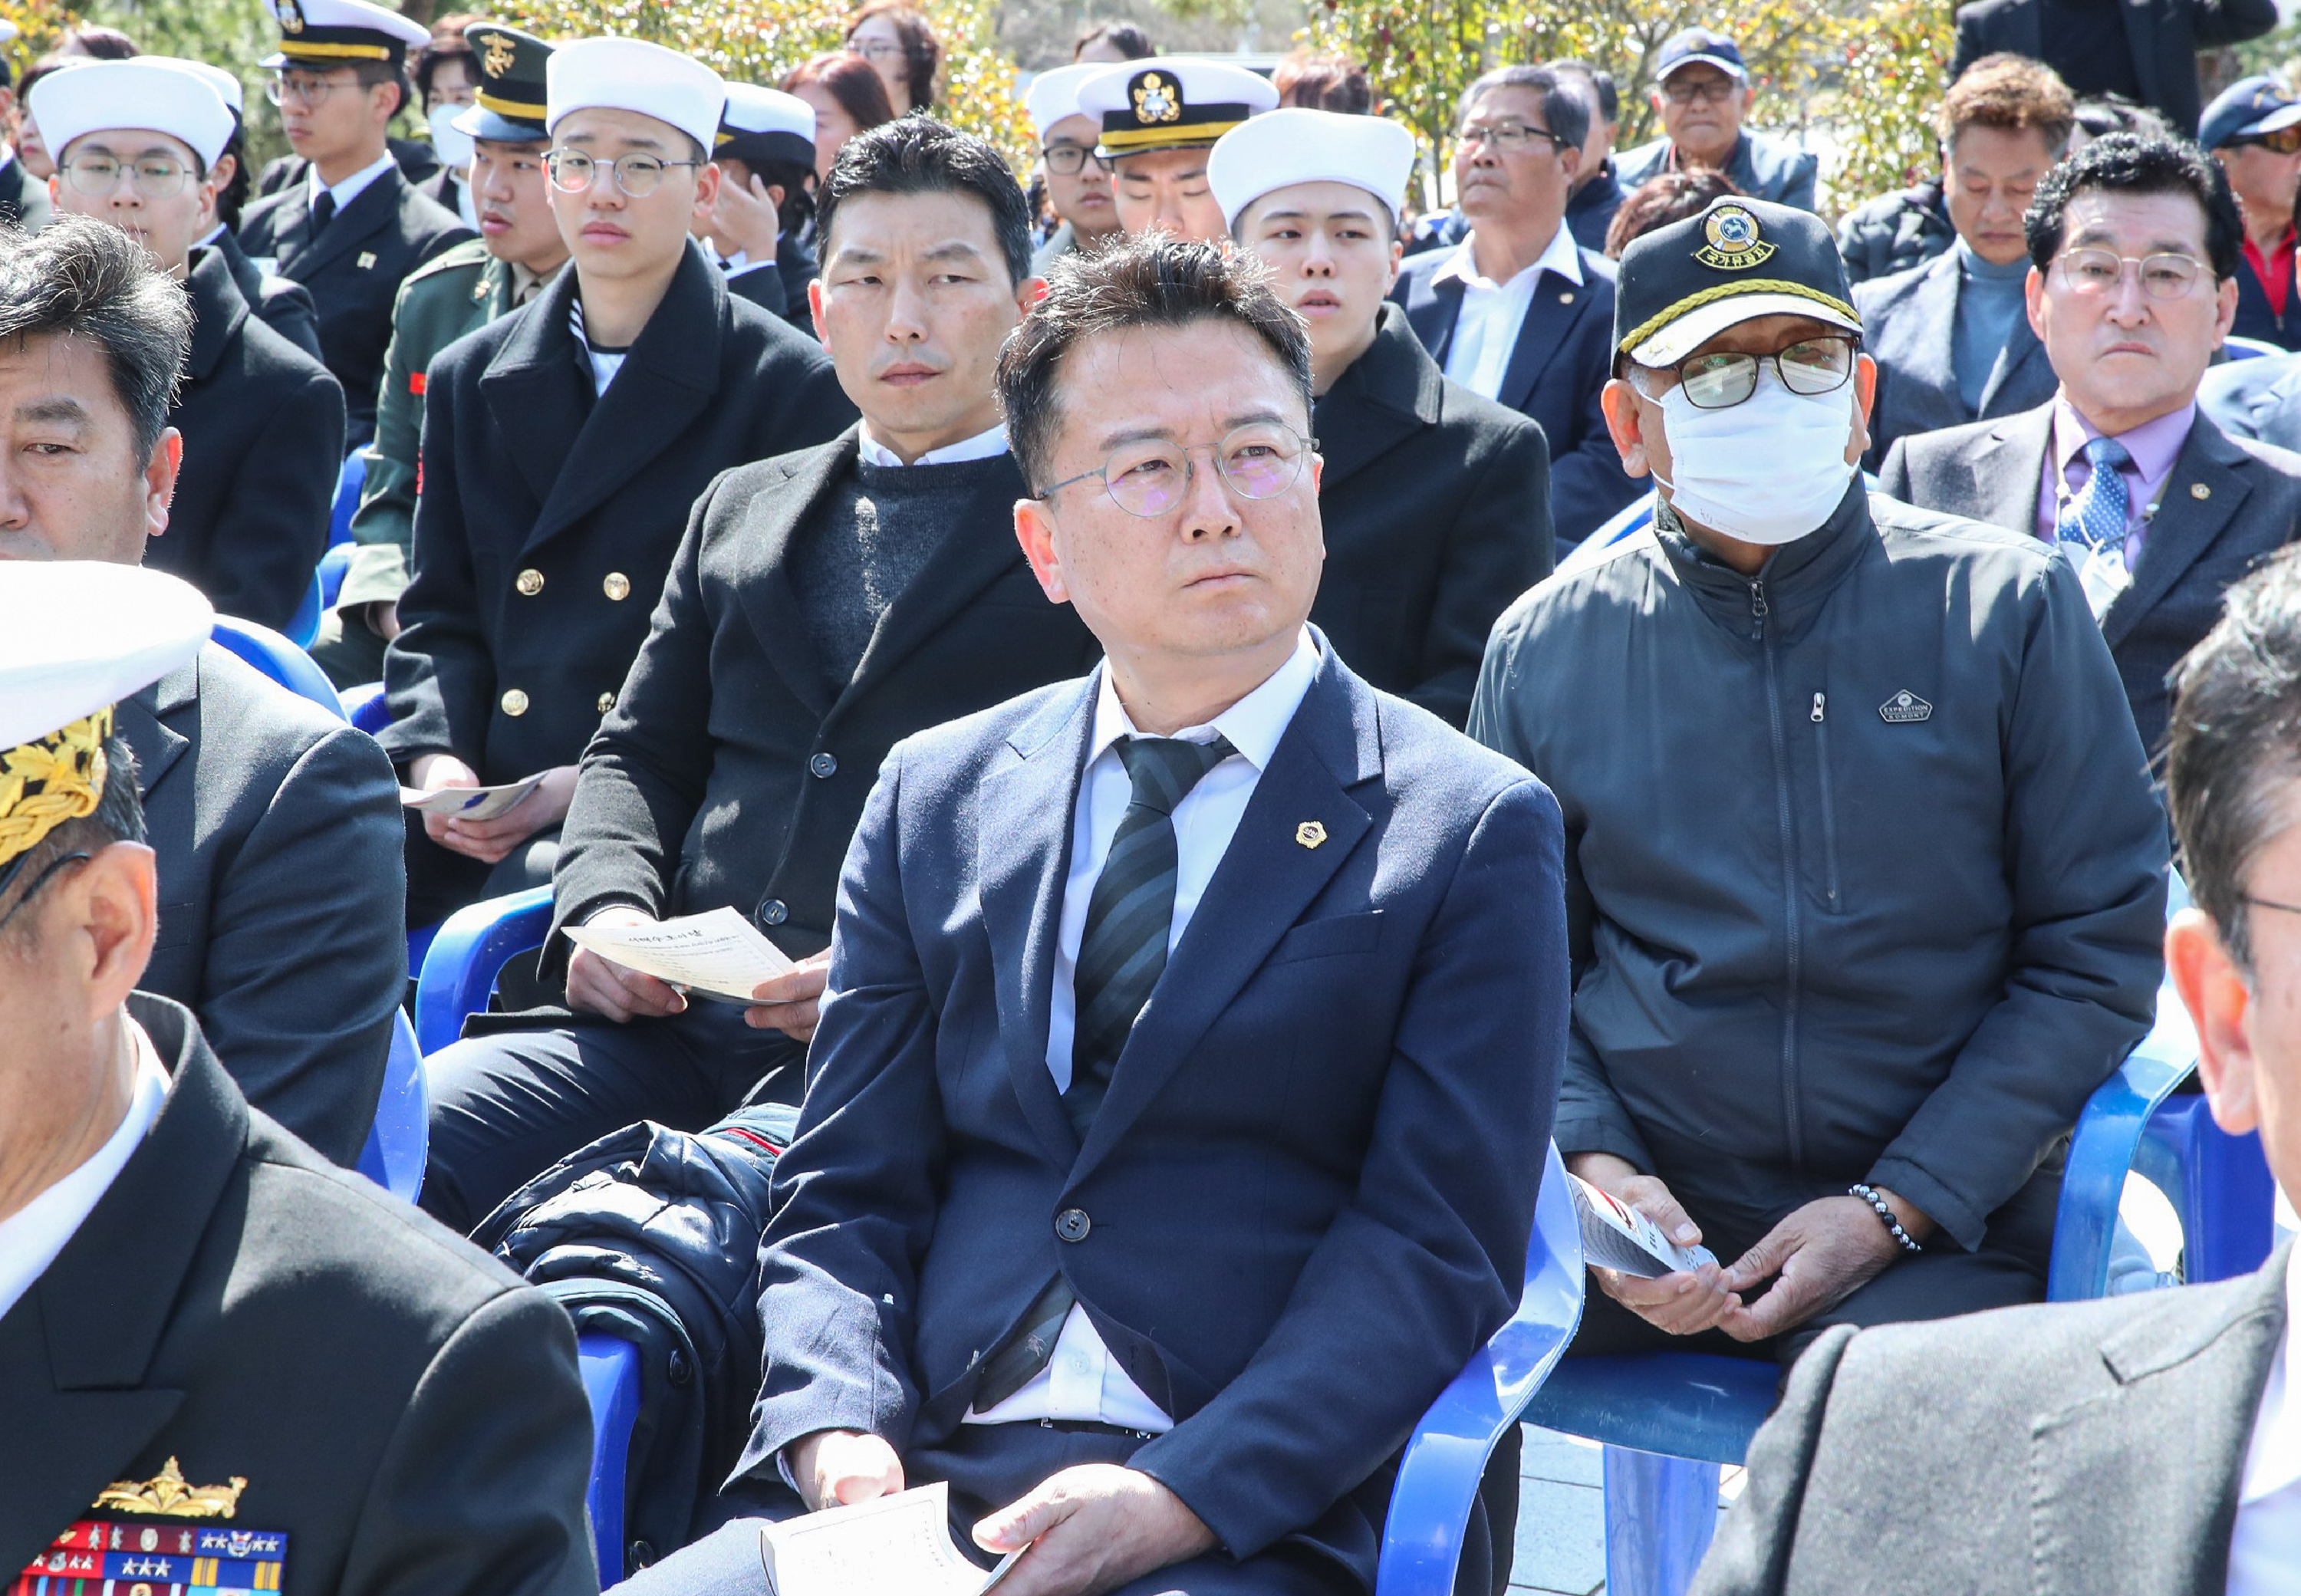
[1077,186]
[562,448]
[765,157]
[136,144]
[1158,119]
[355,228]
[1436,501]
[225,1362]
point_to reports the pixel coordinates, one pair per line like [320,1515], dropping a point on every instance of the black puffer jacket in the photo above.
[653,1235]
[1864,879]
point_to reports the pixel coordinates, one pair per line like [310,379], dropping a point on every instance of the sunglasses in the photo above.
[2285,141]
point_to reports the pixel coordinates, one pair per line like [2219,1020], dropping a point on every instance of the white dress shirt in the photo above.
[1488,325]
[2265,1550]
[1083,1381]
[351,187]
[31,1237]
[982,445]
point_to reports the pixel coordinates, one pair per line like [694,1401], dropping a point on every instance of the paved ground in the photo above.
[1561,1537]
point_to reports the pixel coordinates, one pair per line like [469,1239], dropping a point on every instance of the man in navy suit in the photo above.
[1176,1111]
[1518,312]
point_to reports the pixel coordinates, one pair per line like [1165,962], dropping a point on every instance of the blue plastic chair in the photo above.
[333,566]
[459,967]
[366,706]
[1437,1477]
[349,480]
[401,1135]
[1668,1420]
[278,656]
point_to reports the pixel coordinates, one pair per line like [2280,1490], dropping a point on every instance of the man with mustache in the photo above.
[822,606]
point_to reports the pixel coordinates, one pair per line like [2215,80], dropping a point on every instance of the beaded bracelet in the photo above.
[1869,1194]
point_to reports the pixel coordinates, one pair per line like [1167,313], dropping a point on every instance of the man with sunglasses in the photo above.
[355,227]
[1077,186]
[2253,128]
[1518,312]
[1702,92]
[2134,251]
[136,144]
[1875,905]
[562,448]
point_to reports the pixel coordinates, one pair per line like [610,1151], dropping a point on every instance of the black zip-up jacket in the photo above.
[1864,875]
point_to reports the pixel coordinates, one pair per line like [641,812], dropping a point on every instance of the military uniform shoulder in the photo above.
[465,260]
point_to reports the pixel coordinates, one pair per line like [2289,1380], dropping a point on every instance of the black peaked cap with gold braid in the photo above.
[1682,285]
[1169,103]
[320,34]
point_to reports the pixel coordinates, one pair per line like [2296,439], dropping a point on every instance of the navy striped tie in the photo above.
[1123,951]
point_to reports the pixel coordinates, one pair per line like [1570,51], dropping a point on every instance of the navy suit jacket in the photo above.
[1310,1190]
[1563,357]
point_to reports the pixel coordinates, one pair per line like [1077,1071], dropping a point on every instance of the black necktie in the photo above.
[323,211]
[1123,950]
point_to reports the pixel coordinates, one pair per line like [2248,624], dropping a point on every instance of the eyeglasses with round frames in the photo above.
[1067,159]
[1260,460]
[1722,379]
[2098,271]
[154,177]
[1509,138]
[571,171]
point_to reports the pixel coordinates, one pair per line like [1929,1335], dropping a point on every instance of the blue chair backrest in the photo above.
[285,662]
[366,706]
[400,1136]
[334,566]
[349,480]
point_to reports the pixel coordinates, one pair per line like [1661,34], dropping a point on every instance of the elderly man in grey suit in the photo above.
[2144,1443]
[2135,246]
[1950,335]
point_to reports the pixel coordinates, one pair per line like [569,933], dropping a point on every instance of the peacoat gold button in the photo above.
[617,587]
[2199,490]
[607,702]
[514,702]
[529,582]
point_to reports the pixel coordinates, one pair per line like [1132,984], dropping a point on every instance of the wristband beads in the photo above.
[1869,1194]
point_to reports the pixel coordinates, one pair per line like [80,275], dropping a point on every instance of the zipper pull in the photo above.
[1820,705]
[1758,599]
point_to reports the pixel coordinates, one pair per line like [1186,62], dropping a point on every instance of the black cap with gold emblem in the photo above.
[509,106]
[319,34]
[1172,101]
[1682,285]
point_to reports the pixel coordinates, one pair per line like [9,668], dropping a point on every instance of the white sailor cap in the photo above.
[320,34]
[1054,94]
[80,637]
[226,84]
[765,124]
[1297,144]
[136,93]
[630,74]
[1172,101]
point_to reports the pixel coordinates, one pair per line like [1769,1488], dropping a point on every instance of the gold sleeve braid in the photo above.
[44,784]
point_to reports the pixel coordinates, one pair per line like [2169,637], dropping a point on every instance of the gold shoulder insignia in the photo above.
[172,1496]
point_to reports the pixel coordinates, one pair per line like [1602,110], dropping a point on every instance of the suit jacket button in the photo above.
[529,582]
[514,702]
[823,766]
[1072,1224]
[774,911]
[607,702]
[617,587]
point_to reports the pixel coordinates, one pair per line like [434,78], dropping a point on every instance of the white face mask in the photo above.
[1767,471]
[454,149]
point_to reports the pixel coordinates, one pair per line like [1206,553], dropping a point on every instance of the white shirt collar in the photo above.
[352,187]
[1254,724]
[31,1237]
[982,445]
[1562,255]
[2273,1461]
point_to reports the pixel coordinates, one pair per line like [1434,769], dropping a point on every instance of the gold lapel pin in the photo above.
[367,260]
[2199,490]
[1309,834]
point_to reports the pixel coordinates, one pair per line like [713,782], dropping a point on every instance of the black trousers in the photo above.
[507,1105]
[990,1466]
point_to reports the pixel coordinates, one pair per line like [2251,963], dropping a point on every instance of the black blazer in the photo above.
[782,291]
[1436,505]
[1564,354]
[399,1406]
[416,158]
[2228,504]
[2056,1450]
[524,470]
[1304,1202]
[282,891]
[285,305]
[1909,327]
[728,772]
[2163,36]
[354,269]
[264,427]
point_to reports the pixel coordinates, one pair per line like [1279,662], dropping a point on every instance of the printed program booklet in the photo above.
[1616,1236]
[468,803]
[719,954]
[896,1546]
